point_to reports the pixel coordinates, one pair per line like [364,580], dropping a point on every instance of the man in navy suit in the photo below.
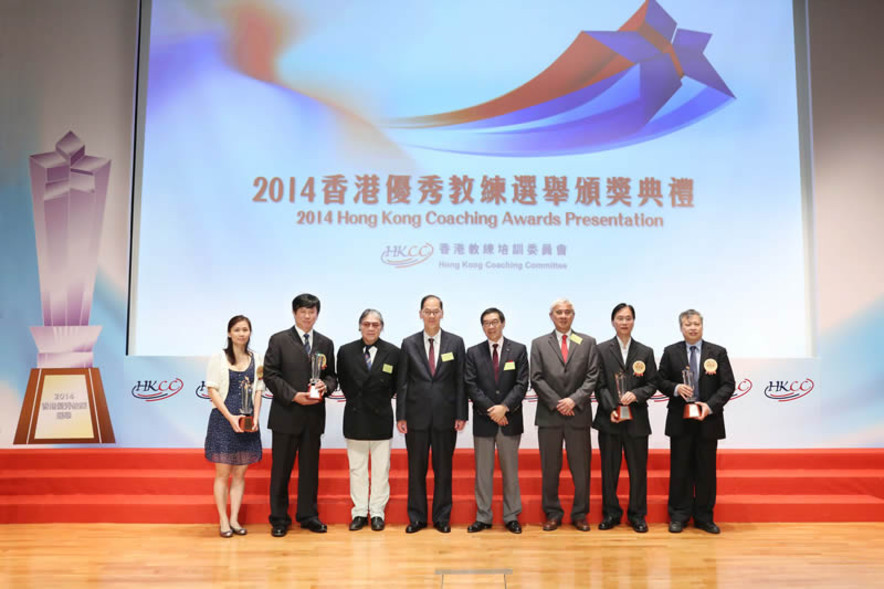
[367,374]
[693,442]
[496,377]
[297,419]
[635,363]
[431,407]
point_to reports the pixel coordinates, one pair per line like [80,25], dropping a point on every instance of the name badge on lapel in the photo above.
[576,339]
[510,365]
[387,368]
[448,356]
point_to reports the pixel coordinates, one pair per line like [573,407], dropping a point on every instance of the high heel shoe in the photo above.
[227,534]
[239,531]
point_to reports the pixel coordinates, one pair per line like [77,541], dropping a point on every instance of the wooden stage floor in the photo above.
[168,555]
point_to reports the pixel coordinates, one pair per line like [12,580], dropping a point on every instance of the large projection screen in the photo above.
[492,153]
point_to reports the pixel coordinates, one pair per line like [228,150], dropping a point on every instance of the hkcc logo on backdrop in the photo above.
[404,256]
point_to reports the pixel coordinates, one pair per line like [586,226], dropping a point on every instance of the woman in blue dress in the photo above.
[231,373]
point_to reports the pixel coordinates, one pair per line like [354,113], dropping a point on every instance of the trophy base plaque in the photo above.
[313,391]
[64,406]
[624,413]
[246,423]
[691,411]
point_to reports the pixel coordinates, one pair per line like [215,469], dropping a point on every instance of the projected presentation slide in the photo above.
[493,153]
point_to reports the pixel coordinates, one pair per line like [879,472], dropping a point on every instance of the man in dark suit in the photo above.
[431,407]
[367,374]
[297,419]
[496,377]
[693,443]
[635,362]
[564,373]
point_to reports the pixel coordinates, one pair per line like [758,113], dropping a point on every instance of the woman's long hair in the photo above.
[231,357]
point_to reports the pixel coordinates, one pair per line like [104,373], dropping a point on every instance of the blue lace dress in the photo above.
[224,445]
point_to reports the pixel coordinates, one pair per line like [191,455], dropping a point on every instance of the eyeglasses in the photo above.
[371,324]
[493,323]
[431,312]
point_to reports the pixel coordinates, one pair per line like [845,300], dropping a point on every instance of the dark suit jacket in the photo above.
[643,387]
[425,401]
[286,372]
[715,389]
[509,390]
[553,379]
[368,413]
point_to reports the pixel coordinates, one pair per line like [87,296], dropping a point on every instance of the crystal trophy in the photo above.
[691,410]
[65,402]
[317,363]
[247,406]
[624,413]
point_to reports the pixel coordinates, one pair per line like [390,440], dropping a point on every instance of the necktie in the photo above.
[367,355]
[695,370]
[564,348]
[307,343]
[495,362]
[432,358]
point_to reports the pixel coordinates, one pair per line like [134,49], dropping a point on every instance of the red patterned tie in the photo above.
[495,363]
[565,348]
[432,358]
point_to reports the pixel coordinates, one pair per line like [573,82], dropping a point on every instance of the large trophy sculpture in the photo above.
[64,402]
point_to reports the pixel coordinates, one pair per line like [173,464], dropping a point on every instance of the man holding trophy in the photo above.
[696,375]
[299,369]
[628,378]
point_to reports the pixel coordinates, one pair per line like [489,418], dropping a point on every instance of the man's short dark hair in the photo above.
[619,308]
[491,310]
[424,300]
[305,301]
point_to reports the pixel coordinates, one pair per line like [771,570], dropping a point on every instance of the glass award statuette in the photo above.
[317,363]
[247,406]
[691,410]
[624,413]
[64,402]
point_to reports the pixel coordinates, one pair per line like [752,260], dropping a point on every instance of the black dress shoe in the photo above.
[477,526]
[514,526]
[709,527]
[314,525]
[608,523]
[415,527]
[279,531]
[377,523]
[675,527]
[358,523]
[639,525]
[442,527]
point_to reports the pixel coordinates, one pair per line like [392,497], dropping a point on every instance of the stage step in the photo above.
[168,486]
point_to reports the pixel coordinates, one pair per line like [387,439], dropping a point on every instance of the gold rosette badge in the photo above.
[323,360]
[710,366]
[638,368]
[259,372]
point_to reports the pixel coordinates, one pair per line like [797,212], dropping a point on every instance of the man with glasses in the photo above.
[431,407]
[367,371]
[496,377]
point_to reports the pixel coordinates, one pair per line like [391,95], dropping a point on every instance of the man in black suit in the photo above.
[496,376]
[635,362]
[564,373]
[297,419]
[431,407]
[367,374]
[693,442]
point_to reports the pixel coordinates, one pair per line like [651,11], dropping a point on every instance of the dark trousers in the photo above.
[579,449]
[418,443]
[692,477]
[286,447]
[612,447]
